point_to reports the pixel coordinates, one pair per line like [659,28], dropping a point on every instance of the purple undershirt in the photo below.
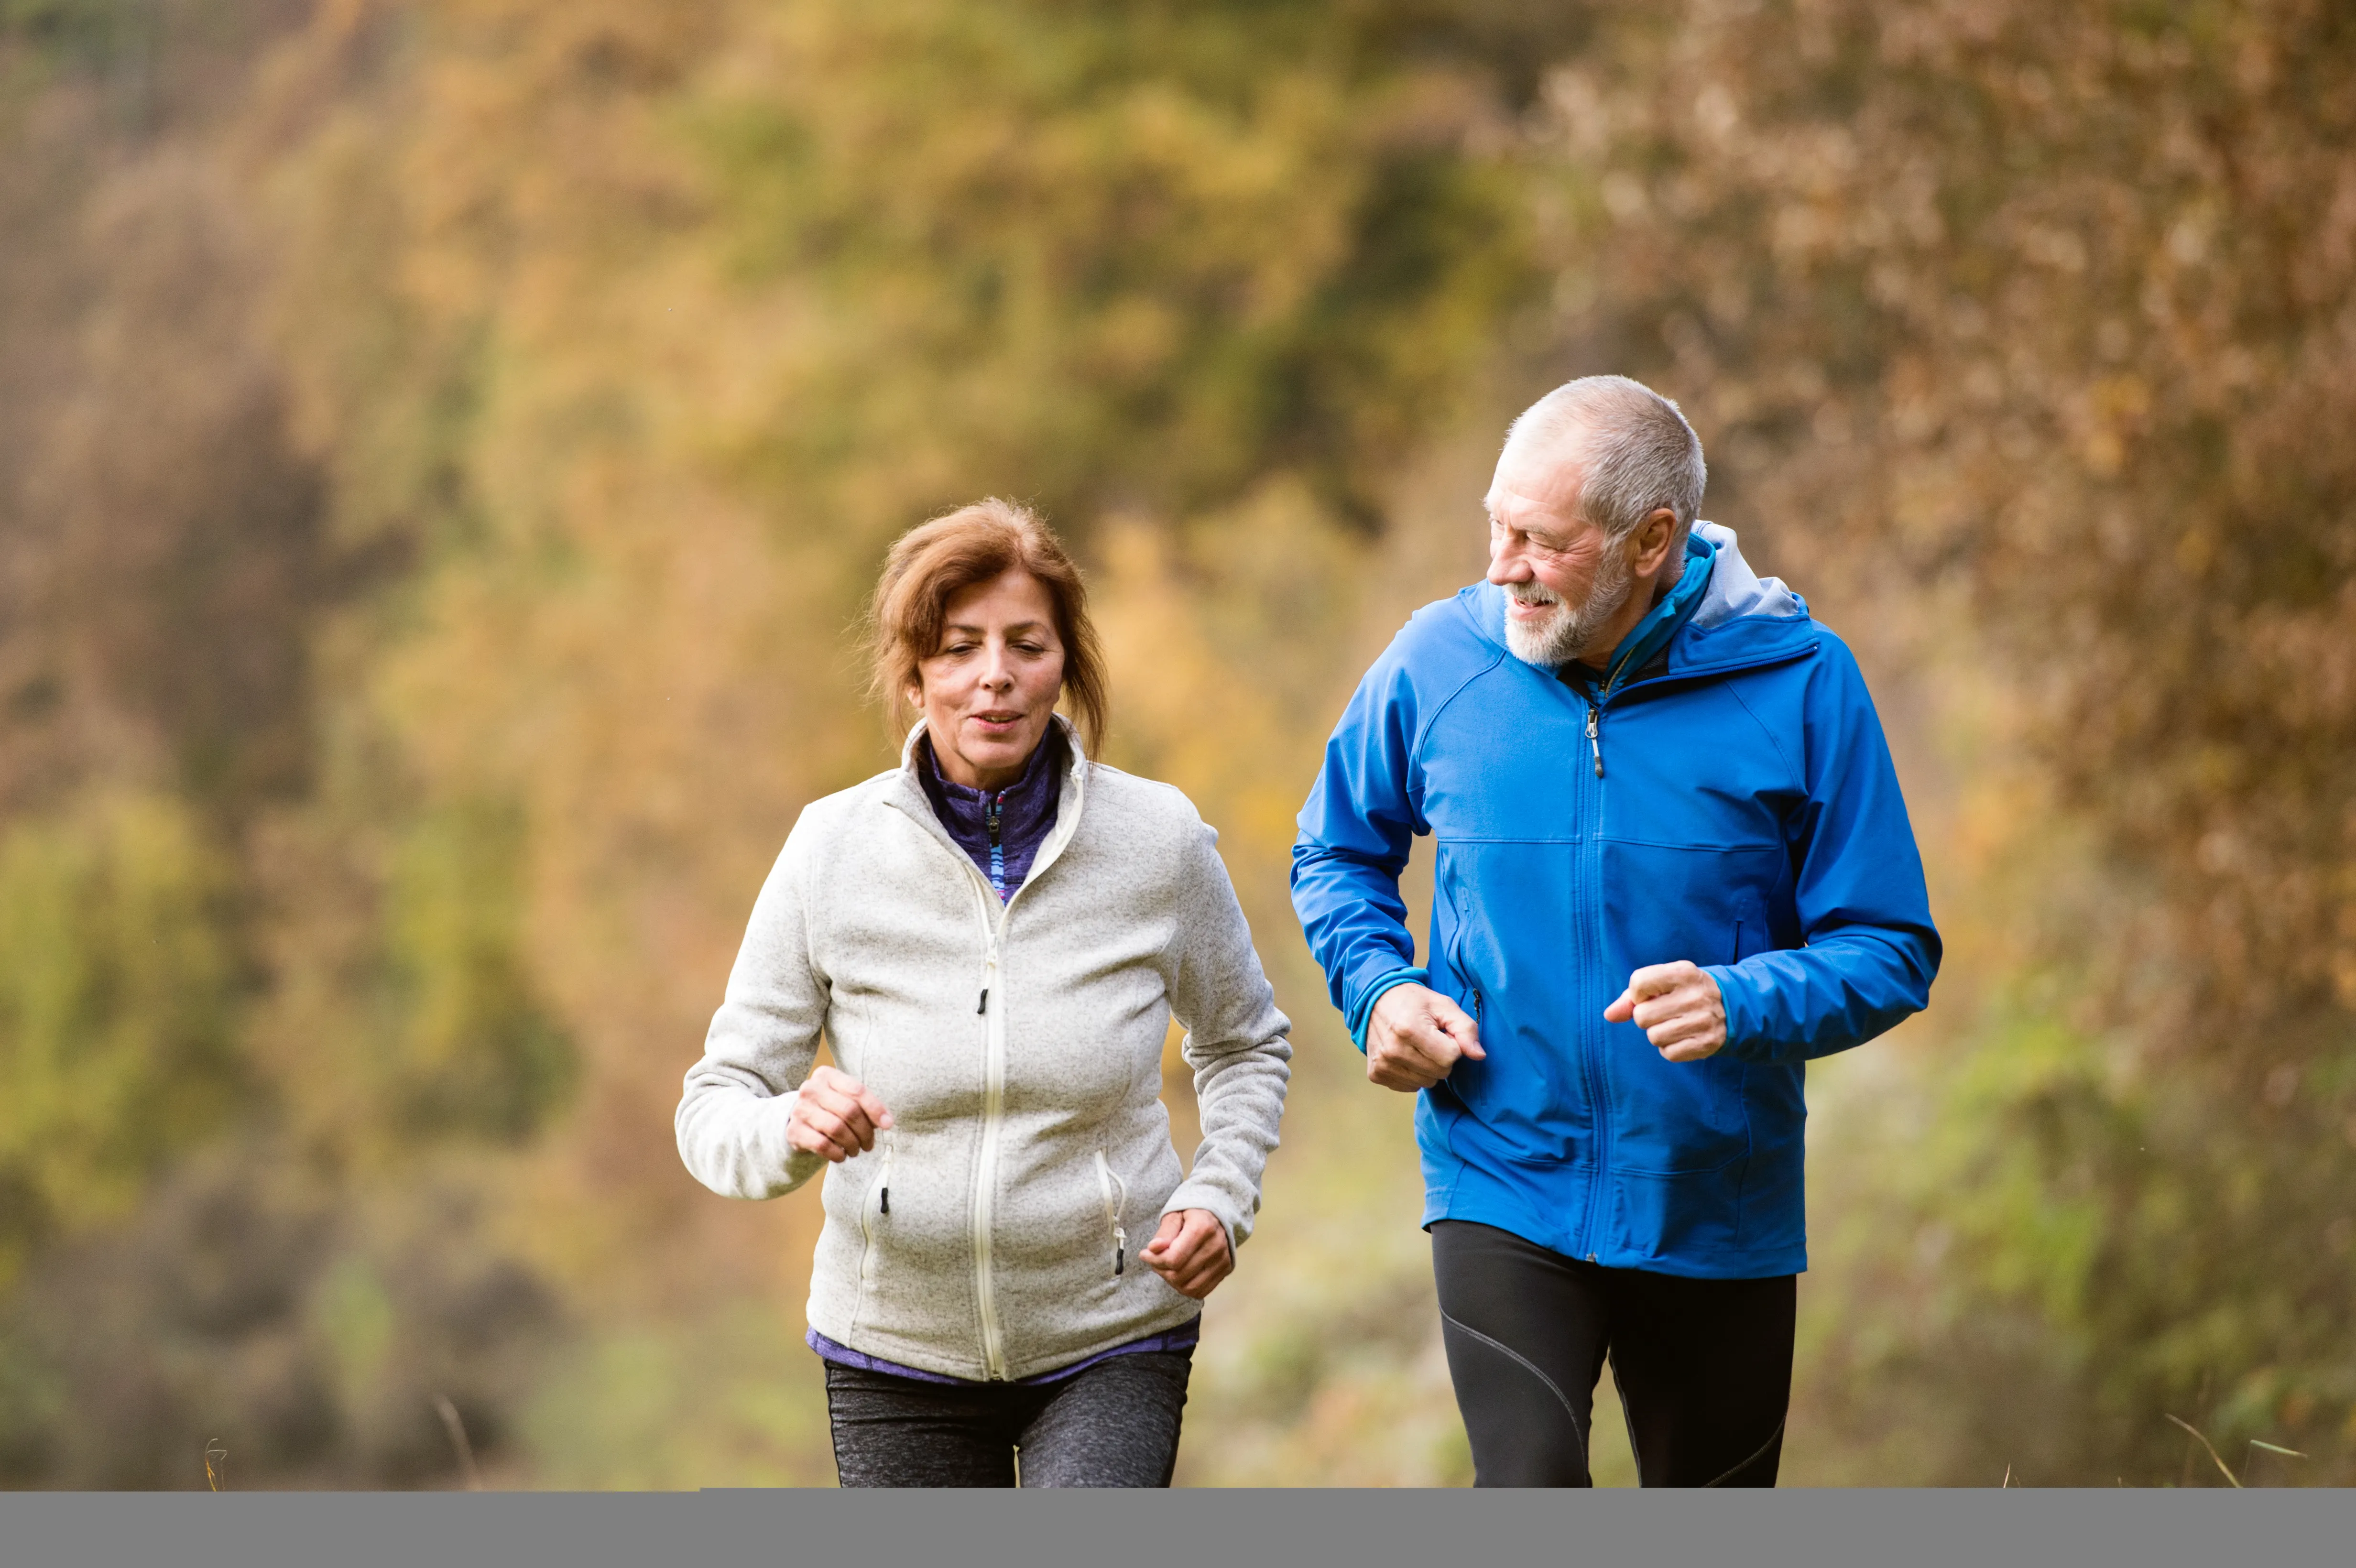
[1001,831]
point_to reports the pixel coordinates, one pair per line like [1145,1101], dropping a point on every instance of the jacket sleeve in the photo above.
[1356,831]
[1236,1042]
[1864,911]
[732,1114]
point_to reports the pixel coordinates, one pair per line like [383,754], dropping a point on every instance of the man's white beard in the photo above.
[1558,638]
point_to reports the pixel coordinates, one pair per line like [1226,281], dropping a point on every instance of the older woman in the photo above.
[992,937]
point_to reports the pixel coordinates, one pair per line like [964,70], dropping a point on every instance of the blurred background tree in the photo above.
[444,443]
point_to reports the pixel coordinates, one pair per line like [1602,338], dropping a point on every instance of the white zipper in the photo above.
[1106,1182]
[993,1109]
[993,1072]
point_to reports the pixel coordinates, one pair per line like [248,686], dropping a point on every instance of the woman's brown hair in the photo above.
[934,561]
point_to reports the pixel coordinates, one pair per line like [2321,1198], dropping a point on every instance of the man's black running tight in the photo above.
[1704,1366]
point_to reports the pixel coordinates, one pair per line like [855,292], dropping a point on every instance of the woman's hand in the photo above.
[835,1115]
[1190,1252]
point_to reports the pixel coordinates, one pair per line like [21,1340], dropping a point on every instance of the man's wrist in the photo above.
[1362,1017]
[1733,999]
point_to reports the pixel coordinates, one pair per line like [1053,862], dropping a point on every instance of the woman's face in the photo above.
[989,693]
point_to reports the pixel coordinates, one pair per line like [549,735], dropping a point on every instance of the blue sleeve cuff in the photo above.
[1741,1013]
[1362,1012]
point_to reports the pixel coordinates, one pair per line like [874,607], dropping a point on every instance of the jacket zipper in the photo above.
[993,1110]
[993,1088]
[1591,1055]
[1595,714]
[992,816]
[993,1101]
[1106,1182]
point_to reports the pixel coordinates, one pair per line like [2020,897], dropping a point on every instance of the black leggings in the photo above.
[1114,1424]
[1704,1366]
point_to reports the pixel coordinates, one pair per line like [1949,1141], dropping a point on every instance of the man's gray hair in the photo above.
[1638,451]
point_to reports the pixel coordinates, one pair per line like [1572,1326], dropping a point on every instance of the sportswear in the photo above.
[991,1232]
[1115,1424]
[1703,1367]
[1732,804]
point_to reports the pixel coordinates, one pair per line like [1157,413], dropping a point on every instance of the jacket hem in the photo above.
[929,1358]
[1717,1263]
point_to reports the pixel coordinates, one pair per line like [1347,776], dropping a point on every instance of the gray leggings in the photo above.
[1113,1424]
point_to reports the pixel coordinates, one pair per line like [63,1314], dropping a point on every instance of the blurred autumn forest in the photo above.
[444,442]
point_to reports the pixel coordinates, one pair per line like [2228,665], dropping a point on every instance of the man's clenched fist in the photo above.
[1416,1036]
[1678,1007]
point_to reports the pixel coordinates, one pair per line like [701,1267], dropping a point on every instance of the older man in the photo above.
[1672,865]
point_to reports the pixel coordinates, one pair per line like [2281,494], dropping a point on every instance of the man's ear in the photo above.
[1653,537]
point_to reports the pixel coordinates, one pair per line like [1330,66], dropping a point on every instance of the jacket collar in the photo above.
[1743,619]
[904,791]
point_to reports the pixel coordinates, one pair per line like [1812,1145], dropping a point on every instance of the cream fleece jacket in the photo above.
[992,1232]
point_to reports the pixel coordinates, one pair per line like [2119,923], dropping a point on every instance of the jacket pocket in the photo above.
[1107,1183]
[1453,956]
[871,1213]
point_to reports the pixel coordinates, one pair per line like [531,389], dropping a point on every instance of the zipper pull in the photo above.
[887,1200]
[1594,739]
[983,1006]
[1119,1250]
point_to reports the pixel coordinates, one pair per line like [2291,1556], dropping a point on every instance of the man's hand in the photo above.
[1678,1007]
[835,1116]
[1416,1036]
[1190,1252]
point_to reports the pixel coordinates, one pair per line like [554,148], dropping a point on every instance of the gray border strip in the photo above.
[1142,1529]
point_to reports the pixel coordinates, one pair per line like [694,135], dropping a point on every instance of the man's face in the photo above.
[1563,579]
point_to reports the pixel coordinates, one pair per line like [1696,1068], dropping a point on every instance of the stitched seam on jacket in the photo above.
[1754,1454]
[1799,778]
[1423,734]
[1552,1387]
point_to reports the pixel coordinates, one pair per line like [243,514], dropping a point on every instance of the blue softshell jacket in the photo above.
[1746,818]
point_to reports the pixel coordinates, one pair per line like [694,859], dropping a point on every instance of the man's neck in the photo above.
[1639,605]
